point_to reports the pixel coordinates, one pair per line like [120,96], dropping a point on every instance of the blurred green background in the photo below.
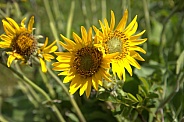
[161,73]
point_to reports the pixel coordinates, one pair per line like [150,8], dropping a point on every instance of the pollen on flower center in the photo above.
[117,42]
[24,44]
[114,45]
[87,61]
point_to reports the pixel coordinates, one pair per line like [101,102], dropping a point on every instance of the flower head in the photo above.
[44,53]
[19,39]
[85,65]
[122,40]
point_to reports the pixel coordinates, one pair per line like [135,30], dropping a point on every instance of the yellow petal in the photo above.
[112,20]
[123,21]
[61,65]
[105,65]
[132,30]
[53,49]
[127,66]
[103,28]
[67,47]
[88,90]
[104,74]
[65,73]
[48,57]
[68,41]
[106,26]
[136,48]
[119,71]
[89,37]
[137,42]
[49,48]
[30,24]
[68,78]
[84,35]
[43,65]
[137,35]
[13,23]
[77,39]
[45,44]
[22,22]
[5,45]
[84,86]
[6,38]
[75,85]
[136,55]
[8,28]
[66,54]
[131,25]
[123,71]
[133,62]
[10,60]
[95,83]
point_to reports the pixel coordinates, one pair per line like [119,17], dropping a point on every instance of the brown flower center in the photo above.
[24,44]
[87,61]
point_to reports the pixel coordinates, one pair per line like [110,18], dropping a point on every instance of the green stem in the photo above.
[163,31]
[52,22]
[72,100]
[94,10]
[45,80]
[70,18]
[147,17]
[104,9]
[176,89]
[84,12]
[179,81]
[41,91]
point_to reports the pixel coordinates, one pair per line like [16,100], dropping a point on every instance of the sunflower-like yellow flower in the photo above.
[85,65]
[43,53]
[122,40]
[19,39]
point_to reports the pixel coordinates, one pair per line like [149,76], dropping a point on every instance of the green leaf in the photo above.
[126,110]
[143,91]
[180,63]
[153,95]
[139,97]
[72,117]
[145,83]
[131,86]
[132,98]
[107,96]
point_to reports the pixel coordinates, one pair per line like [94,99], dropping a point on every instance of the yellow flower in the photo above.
[85,65]
[19,38]
[122,40]
[43,53]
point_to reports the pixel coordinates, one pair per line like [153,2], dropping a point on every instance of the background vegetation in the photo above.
[154,93]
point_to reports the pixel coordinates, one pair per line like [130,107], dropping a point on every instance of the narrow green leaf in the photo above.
[180,63]
[132,98]
[73,117]
[145,83]
[106,96]
[139,97]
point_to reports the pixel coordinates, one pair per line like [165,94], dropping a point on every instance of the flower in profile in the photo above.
[44,53]
[122,40]
[84,65]
[18,39]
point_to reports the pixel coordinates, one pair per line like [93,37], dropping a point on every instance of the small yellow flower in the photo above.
[43,53]
[85,65]
[19,39]
[122,40]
